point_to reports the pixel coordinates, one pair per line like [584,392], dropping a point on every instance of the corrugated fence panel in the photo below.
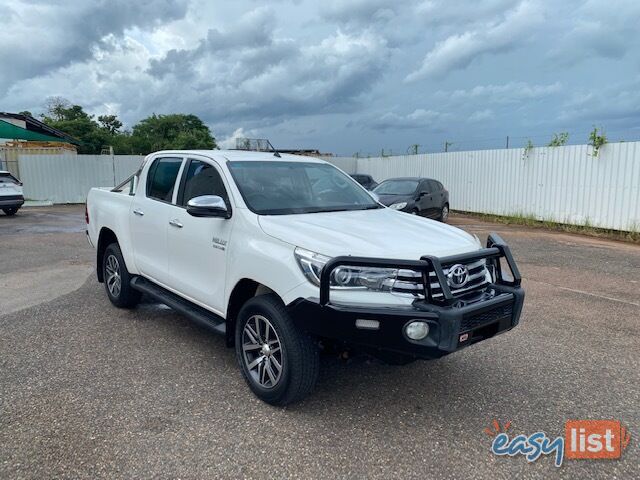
[67,178]
[562,184]
[126,165]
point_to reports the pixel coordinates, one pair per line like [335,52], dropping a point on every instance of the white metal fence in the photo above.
[67,178]
[560,184]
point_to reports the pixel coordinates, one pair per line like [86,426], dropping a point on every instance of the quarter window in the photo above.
[162,178]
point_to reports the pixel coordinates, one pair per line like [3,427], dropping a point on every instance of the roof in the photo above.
[245,155]
[35,130]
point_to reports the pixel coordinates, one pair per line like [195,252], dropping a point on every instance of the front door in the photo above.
[149,218]
[198,245]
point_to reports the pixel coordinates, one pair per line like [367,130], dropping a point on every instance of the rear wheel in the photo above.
[117,279]
[10,212]
[279,362]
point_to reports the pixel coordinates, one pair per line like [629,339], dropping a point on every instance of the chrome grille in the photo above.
[409,282]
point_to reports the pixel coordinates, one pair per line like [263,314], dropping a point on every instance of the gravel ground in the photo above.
[90,391]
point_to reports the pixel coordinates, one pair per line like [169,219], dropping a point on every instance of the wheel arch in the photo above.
[105,238]
[243,290]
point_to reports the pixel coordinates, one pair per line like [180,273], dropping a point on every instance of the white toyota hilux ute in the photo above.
[286,255]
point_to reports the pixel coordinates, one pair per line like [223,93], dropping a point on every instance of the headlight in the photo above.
[398,206]
[346,277]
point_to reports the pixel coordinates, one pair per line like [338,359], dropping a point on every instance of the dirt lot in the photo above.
[90,391]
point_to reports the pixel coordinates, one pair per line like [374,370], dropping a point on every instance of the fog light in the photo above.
[367,324]
[417,330]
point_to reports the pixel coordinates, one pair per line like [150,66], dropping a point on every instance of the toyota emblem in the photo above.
[457,276]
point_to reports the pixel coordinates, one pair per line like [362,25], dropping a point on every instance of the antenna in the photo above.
[275,152]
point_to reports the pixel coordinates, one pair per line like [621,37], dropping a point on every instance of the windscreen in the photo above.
[282,188]
[397,187]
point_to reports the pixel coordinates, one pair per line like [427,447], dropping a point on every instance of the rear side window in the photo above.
[162,178]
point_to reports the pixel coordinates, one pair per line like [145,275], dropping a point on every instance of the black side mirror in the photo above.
[208,206]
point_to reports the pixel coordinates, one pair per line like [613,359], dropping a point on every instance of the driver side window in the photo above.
[201,179]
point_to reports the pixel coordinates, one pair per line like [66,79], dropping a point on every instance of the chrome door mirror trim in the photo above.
[208,206]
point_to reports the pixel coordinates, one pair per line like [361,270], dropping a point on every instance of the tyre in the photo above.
[279,362]
[10,212]
[444,213]
[415,211]
[117,279]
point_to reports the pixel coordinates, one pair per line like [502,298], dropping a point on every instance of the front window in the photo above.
[282,188]
[397,187]
[202,179]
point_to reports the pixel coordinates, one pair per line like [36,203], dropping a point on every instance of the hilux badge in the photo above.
[458,276]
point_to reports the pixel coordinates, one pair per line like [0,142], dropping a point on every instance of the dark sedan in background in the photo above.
[419,196]
[366,181]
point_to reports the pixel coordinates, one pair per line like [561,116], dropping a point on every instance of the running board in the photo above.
[196,313]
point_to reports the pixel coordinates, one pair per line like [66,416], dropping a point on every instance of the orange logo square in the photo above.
[593,439]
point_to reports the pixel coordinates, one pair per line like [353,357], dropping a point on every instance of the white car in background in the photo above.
[11,196]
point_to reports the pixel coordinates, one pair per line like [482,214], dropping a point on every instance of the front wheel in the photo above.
[444,213]
[279,362]
[10,212]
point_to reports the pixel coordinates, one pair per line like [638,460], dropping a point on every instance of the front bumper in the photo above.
[9,201]
[454,322]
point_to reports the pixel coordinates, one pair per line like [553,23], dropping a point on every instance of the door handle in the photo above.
[175,223]
[139,212]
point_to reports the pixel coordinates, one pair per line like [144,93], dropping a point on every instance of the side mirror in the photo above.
[423,193]
[208,206]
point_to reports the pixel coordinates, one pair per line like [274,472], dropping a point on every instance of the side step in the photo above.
[196,313]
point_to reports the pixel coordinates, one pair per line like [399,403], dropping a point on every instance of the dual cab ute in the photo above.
[283,254]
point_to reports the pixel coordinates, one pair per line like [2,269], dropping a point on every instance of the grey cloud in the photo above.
[419,118]
[43,36]
[267,76]
[459,50]
[506,93]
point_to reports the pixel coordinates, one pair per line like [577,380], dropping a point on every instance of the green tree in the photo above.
[74,121]
[110,123]
[157,132]
[174,131]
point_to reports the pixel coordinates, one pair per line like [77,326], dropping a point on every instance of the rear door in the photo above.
[149,217]
[198,245]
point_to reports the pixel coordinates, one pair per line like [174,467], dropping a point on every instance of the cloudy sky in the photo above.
[344,76]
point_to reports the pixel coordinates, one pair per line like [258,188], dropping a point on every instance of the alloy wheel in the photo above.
[114,280]
[262,351]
